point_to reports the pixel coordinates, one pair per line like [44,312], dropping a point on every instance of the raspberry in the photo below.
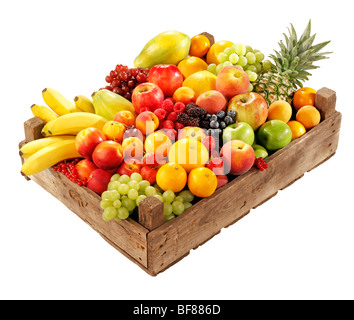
[160,113]
[178,126]
[168,124]
[167,105]
[172,116]
[179,107]
[145,109]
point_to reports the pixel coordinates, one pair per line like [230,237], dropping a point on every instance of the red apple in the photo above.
[108,155]
[147,122]
[148,174]
[167,76]
[84,168]
[98,180]
[148,96]
[129,167]
[232,80]
[238,156]
[212,101]
[250,107]
[87,140]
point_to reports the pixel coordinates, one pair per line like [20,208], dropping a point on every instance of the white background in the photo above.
[299,245]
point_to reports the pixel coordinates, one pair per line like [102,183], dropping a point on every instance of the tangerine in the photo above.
[200,45]
[304,97]
[297,129]
[280,110]
[202,182]
[308,116]
[171,176]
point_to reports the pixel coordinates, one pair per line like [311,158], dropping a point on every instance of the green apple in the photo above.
[274,135]
[259,151]
[239,131]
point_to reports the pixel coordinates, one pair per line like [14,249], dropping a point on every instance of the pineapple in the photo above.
[290,66]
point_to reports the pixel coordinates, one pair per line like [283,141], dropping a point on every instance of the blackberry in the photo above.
[186,120]
[204,124]
[196,112]
[194,122]
[190,106]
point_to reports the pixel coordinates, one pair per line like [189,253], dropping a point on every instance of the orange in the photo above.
[158,143]
[280,110]
[304,97]
[171,176]
[297,129]
[200,45]
[201,81]
[202,182]
[215,49]
[189,153]
[308,116]
[191,65]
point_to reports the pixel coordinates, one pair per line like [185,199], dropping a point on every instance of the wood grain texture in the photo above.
[174,239]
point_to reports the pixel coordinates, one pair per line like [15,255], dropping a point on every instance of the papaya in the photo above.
[107,103]
[169,47]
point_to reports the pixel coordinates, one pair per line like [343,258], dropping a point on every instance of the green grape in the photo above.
[133,194]
[105,203]
[113,185]
[251,75]
[255,51]
[141,197]
[251,57]
[109,213]
[158,196]
[124,179]
[187,205]
[129,204]
[258,66]
[242,61]
[136,177]
[229,50]
[252,68]
[150,191]
[212,68]
[117,204]
[222,57]
[219,67]
[227,63]
[250,87]
[115,177]
[240,49]
[233,58]
[133,184]
[110,195]
[249,49]
[122,213]
[186,195]
[237,65]
[167,208]
[143,184]
[267,65]
[123,189]
[179,198]
[177,207]
[168,196]
[169,217]
[259,56]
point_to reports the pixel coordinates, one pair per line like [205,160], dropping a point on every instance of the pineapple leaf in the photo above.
[307,43]
[319,46]
[306,34]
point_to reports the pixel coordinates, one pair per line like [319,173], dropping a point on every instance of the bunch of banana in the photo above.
[59,105]
[44,153]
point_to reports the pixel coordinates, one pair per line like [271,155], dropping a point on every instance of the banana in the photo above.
[43,113]
[57,102]
[50,156]
[33,146]
[73,123]
[84,104]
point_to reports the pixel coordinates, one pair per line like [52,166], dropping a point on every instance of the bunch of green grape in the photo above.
[124,194]
[250,60]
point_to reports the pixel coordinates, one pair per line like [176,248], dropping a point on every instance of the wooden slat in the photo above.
[127,235]
[173,240]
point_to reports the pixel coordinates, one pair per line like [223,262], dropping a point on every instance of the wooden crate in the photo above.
[154,245]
